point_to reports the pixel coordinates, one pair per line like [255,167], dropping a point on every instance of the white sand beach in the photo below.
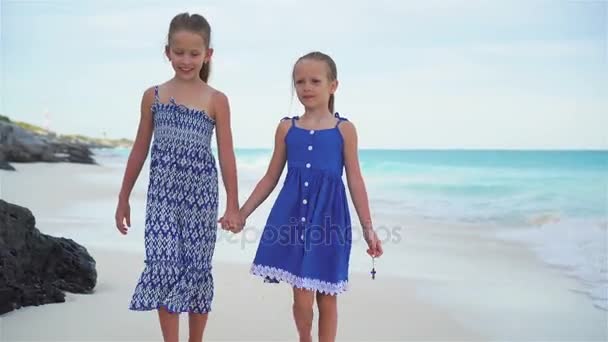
[436,284]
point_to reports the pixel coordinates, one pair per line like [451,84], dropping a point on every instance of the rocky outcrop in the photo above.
[4,165]
[36,268]
[20,145]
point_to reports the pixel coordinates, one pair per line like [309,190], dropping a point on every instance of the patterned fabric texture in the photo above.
[181,213]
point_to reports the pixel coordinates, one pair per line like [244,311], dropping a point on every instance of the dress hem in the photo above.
[166,307]
[299,282]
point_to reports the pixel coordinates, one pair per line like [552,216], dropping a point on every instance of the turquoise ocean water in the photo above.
[556,202]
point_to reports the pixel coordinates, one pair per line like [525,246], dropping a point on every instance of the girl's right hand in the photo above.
[123,217]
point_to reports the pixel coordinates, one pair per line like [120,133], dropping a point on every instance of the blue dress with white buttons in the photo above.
[307,238]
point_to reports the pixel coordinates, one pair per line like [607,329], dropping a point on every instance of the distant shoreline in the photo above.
[70,138]
[21,142]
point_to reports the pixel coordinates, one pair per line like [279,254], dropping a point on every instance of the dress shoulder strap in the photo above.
[340,119]
[292,118]
[156,96]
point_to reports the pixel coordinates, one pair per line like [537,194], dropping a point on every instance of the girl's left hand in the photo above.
[373,243]
[232,221]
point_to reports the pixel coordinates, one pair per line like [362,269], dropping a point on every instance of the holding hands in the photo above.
[233,221]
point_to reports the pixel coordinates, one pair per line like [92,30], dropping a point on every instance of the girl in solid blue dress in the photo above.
[307,239]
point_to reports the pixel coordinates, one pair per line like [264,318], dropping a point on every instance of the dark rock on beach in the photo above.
[36,268]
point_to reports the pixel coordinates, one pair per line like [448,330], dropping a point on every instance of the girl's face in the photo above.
[312,83]
[187,52]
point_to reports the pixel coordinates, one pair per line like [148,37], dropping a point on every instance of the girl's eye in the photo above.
[179,53]
[299,81]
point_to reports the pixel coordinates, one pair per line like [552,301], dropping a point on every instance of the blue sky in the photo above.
[414,74]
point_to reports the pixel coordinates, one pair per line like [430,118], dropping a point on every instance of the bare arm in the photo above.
[356,185]
[227,160]
[139,152]
[271,178]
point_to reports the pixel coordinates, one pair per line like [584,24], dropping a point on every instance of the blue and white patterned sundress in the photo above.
[181,213]
[307,238]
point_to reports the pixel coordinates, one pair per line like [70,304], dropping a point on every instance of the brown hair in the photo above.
[332,71]
[195,23]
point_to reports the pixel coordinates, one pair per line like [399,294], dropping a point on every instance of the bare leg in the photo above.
[303,301]
[328,317]
[169,324]
[197,323]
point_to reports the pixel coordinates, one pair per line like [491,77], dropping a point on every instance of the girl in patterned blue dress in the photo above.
[182,200]
[307,239]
